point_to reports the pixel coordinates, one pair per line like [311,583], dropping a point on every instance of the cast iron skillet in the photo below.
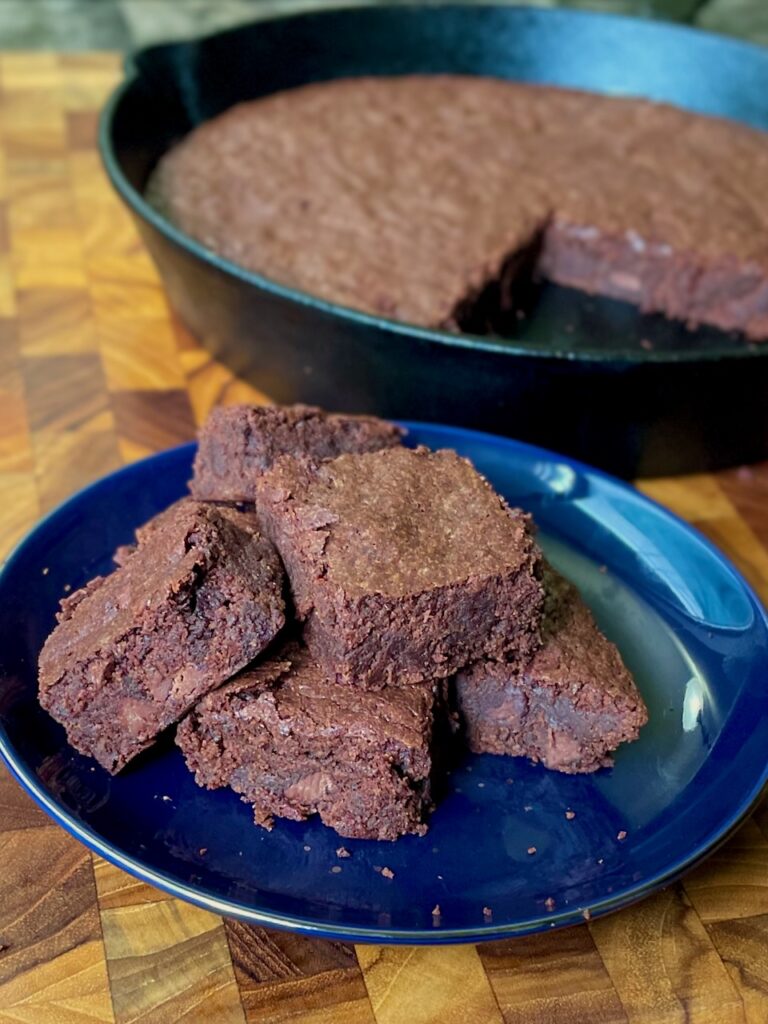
[578,374]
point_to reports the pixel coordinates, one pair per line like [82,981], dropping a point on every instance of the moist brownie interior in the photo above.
[569,708]
[197,598]
[293,743]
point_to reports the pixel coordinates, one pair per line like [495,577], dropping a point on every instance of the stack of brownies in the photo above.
[324,616]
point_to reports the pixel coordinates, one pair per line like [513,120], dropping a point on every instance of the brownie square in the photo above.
[238,443]
[294,744]
[196,600]
[405,564]
[569,708]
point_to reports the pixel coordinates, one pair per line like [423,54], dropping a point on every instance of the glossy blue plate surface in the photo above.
[687,624]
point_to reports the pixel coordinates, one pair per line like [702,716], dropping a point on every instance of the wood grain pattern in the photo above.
[52,966]
[551,979]
[663,964]
[290,977]
[17,810]
[94,371]
[169,961]
[428,985]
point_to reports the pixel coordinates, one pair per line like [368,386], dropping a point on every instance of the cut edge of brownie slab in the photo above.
[404,563]
[193,603]
[569,708]
[238,443]
[292,744]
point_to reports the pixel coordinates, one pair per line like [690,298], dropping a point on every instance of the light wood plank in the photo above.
[427,985]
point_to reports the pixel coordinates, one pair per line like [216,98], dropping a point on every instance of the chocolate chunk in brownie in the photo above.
[199,597]
[405,565]
[238,443]
[569,708]
[293,743]
[411,196]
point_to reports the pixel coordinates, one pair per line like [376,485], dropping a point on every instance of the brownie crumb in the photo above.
[387,872]
[531,850]
[307,849]
[570,815]
[336,869]
[203,850]
[621,836]
[487,913]
[342,852]
[600,860]
[46,570]
[67,587]
[586,914]
[481,785]
[436,910]
[549,903]
[510,782]
[647,344]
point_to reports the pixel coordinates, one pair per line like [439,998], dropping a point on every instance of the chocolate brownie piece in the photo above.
[240,513]
[294,744]
[569,708]
[406,196]
[198,599]
[404,564]
[238,443]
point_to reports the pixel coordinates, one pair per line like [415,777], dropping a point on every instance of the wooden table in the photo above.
[94,371]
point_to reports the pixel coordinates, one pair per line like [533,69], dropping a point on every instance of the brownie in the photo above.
[241,513]
[238,443]
[404,564]
[569,708]
[198,598]
[409,196]
[294,744]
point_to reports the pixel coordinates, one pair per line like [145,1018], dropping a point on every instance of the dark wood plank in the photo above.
[153,420]
[290,977]
[52,966]
[64,393]
[551,979]
[17,810]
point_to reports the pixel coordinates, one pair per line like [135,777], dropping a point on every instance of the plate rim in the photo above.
[308,925]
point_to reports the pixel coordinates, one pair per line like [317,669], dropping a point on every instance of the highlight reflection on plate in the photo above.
[687,624]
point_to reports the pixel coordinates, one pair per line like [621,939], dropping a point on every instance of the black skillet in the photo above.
[638,395]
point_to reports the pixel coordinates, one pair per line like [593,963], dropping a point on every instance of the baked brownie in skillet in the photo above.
[569,708]
[411,196]
[404,564]
[238,443]
[293,743]
[199,597]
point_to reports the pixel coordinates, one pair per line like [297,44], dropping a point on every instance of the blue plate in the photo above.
[688,626]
